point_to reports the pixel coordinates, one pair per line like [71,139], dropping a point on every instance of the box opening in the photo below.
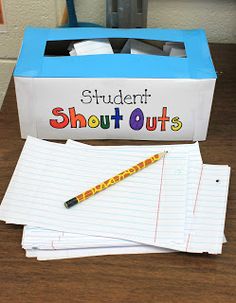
[57,48]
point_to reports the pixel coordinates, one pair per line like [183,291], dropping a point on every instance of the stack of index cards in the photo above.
[176,204]
[132,46]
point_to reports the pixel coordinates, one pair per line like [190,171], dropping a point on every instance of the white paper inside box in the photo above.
[123,93]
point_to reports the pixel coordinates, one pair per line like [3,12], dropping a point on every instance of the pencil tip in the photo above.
[164,153]
[161,155]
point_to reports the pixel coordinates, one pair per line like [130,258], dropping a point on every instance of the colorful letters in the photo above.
[137,120]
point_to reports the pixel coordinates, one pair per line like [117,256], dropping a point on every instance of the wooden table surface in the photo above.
[177,277]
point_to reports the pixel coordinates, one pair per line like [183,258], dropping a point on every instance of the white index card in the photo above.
[208,210]
[169,45]
[73,52]
[133,46]
[177,52]
[139,48]
[93,47]
[141,208]
[43,255]
[43,239]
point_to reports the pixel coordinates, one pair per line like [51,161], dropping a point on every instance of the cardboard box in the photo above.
[113,96]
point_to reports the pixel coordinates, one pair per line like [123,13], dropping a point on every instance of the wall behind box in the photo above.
[215,16]
[18,14]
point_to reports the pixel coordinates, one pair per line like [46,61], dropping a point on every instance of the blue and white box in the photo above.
[114,96]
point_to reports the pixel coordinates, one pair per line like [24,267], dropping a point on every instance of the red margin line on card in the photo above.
[188,240]
[195,203]
[52,244]
[194,208]
[159,200]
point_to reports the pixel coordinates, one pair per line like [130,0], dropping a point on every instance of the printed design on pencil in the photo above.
[128,172]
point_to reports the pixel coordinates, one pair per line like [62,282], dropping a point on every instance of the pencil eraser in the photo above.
[71,202]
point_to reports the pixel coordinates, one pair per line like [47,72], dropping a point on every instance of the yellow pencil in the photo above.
[124,174]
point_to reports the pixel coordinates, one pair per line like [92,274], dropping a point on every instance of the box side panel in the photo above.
[202,114]
[134,109]
[26,107]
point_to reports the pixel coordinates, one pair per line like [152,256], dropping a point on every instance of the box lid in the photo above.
[33,63]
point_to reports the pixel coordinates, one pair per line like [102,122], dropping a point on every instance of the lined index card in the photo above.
[141,208]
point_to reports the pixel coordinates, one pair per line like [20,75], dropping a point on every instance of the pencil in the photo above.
[109,182]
